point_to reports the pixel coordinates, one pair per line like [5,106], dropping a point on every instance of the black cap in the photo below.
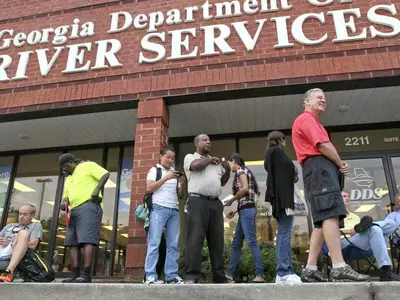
[66,157]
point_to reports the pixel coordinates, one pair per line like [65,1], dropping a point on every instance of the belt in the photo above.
[311,158]
[202,196]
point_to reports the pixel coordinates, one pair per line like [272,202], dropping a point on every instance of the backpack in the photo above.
[142,211]
[34,268]
[148,197]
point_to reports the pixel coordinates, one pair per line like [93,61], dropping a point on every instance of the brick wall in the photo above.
[265,66]
[151,137]
[12,9]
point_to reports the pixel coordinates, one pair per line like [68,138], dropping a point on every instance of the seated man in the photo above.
[369,235]
[395,216]
[16,238]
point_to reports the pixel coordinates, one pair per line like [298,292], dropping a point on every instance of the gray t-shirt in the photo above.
[206,182]
[35,229]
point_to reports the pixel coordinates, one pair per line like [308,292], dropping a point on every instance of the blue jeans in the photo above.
[160,218]
[246,229]
[374,239]
[283,258]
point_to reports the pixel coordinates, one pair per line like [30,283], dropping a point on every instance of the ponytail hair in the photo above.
[237,158]
[275,138]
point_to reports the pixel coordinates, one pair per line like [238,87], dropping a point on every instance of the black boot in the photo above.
[388,275]
[85,277]
[76,273]
[365,224]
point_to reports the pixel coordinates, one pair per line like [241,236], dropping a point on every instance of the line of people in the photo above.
[323,176]
[203,178]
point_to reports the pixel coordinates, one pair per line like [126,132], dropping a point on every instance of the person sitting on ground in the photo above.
[395,215]
[16,238]
[370,235]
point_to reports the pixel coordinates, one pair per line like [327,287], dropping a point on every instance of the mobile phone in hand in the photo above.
[341,180]
[179,173]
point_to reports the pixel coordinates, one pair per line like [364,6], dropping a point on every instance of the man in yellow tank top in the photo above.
[83,203]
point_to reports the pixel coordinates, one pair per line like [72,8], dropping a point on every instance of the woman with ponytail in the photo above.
[245,189]
[282,175]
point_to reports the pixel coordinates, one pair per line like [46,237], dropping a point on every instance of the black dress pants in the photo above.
[205,221]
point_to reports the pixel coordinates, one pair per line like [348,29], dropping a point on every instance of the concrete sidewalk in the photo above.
[330,291]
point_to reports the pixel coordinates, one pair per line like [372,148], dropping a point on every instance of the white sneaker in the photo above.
[153,281]
[288,279]
[176,280]
[279,279]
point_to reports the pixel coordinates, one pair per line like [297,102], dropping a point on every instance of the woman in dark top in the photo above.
[282,174]
[245,189]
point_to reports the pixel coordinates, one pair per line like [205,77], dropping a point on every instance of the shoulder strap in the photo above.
[159,173]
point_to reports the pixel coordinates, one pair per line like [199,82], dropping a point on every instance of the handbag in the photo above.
[300,204]
[141,212]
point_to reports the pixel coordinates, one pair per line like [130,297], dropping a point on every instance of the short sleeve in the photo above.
[3,232]
[189,158]
[96,170]
[37,231]
[241,172]
[152,174]
[314,133]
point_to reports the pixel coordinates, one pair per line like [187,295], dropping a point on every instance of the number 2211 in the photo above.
[357,141]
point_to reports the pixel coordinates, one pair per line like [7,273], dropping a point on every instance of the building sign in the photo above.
[371,140]
[364,186]
[179,43]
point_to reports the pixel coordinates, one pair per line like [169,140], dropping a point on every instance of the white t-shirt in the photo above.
[166,195]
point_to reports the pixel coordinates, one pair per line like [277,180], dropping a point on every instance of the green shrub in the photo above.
[245,271]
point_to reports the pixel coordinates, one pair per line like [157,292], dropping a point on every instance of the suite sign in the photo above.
[161,38]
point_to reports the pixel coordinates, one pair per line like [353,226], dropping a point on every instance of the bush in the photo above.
[245,271]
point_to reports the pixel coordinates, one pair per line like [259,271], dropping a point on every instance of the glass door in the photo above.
[36,184]
[369,186]
[395,160]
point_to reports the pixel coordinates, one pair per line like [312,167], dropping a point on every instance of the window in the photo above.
[396,168]
[367,187]
[254,148]
[106,234]
[5,175]
[124,203]
[36,184]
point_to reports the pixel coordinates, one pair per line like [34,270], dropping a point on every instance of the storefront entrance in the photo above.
[373,182]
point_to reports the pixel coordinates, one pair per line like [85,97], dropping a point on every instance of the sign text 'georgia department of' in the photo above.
[215,38]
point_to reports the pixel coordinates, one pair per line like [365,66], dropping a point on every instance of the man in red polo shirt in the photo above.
[322,170]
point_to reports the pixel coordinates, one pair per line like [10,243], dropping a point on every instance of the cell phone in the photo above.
[179,173]
[341,178]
